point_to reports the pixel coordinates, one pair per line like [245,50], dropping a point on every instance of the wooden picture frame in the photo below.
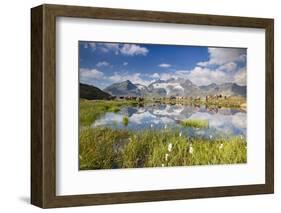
[43,105]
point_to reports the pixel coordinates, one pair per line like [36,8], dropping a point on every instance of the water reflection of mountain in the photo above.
[177,112]
[221,121]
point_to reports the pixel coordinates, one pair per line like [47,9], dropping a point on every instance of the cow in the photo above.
[111,98]
[180,97]
[198,98]
[172,97]
[140,99]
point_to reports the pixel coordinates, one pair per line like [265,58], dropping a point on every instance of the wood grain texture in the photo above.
[269,106]
[43,105]
[36,106]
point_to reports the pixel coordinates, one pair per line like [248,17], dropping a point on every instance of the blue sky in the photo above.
[101,64]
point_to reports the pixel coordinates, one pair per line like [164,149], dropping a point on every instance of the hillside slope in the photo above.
[91,92]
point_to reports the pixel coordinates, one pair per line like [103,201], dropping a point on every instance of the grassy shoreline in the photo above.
[104,148]
[91,110]
[233,102]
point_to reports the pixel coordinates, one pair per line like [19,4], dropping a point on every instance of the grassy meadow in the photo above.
[106,148]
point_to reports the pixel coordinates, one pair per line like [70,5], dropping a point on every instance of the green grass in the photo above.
[195,123]
[125,121]
[234,102]
[91,110]
[105,148]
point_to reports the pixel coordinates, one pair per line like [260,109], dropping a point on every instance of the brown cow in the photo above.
[198,98]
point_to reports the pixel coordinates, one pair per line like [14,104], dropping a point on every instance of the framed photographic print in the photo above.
[137,106]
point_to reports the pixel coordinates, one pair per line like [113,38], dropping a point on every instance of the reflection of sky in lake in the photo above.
[222,122]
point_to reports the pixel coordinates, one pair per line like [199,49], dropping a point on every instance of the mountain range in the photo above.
[91,92]
[174,87]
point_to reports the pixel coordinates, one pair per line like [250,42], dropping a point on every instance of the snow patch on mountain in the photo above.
[169,87]
[140,87]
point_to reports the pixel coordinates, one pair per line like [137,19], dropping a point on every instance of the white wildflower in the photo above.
[190,149]
[151,125]
[180,134]
[162,165]
[165,127]
[170,146]
[221,146]
[166,157]
[242,137]
[211,136]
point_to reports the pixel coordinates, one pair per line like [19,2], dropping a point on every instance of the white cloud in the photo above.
[240,77]
[102,63]
[107,47]
[124,49]
[228,67]
[219,56]
[125,63]
[134,78]
[92,45]
[164,65]
[204,76]
[133,49]
[166,76]
[137,78]
[242,58]
[226,62]
[86,45]
[162,76]
[88,74]
[199,76]
[155,75]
